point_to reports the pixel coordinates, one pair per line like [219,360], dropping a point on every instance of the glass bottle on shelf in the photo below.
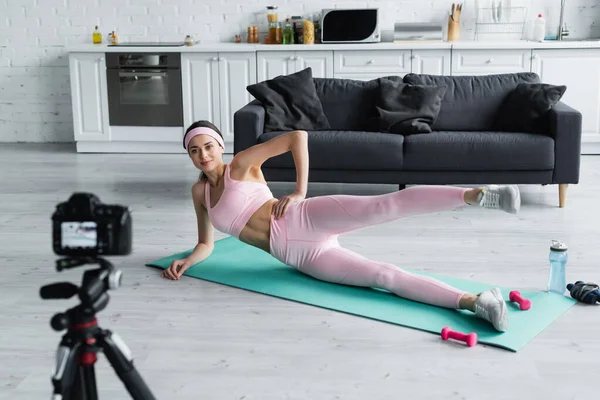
[317,25]
[288,32]
[274,26]
[298,29]
[96,36]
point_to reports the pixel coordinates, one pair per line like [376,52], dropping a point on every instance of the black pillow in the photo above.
[524,108]
[290,102]
[408,109]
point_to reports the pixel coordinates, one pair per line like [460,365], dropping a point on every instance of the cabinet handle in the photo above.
[142,74]
[296,58]
[221,58]
[489,61]
[101,58]
[371,62]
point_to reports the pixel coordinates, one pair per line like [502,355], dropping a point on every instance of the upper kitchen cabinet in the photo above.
[275,63]
[214,87]
[431,62]
[490,61]
[89,96]
[579,70]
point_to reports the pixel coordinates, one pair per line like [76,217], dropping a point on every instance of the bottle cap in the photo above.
[558,246]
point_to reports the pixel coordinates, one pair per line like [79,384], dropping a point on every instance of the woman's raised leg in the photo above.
[337,214]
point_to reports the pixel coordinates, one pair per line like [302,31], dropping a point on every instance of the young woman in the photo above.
[303,233]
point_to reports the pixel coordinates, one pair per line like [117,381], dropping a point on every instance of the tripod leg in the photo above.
[80,381]
[65,370]
[119,356]
[88,383]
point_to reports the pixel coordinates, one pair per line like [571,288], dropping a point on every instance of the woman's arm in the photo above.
[206,241]
[205,244]
[294,141]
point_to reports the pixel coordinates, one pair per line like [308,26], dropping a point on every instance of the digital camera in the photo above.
[84,227]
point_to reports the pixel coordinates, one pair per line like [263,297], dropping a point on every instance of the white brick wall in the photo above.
[35,103]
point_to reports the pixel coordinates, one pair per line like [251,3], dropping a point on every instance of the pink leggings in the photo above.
[306,238]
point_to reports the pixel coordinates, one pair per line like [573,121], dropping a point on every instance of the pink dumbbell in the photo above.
[470,339]
[515,296]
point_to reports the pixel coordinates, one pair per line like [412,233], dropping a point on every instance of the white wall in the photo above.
[35,104]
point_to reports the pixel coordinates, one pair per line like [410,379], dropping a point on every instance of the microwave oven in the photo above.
[359,25]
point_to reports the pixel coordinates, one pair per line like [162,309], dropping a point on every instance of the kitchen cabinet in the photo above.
[214,82]
[89,96]
[490,61]
[371,64]
[214,88]
[275,63]
[431,62]
[579,70]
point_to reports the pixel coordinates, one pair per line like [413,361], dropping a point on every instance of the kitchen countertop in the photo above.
[241,47]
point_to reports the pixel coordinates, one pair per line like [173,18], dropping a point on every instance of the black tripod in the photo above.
[74,377]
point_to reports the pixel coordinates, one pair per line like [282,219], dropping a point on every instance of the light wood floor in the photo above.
[198,340]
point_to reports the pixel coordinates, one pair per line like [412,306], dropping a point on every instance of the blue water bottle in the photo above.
[557,281]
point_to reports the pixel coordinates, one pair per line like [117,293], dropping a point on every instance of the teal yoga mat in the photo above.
[237,264]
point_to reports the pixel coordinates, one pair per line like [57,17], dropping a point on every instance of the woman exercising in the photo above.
[303,233]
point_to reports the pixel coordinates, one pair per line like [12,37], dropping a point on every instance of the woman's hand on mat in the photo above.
[175,270]
[280,208]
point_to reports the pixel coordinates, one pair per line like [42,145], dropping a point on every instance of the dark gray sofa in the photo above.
[462,149]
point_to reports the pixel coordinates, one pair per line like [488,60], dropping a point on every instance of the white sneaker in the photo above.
[491,306]
[505,198]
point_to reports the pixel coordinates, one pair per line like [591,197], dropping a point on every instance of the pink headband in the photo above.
[203,131]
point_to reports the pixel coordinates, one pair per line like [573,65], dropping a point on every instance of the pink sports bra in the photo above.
[239,201]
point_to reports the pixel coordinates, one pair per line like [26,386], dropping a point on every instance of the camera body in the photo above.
[84,227]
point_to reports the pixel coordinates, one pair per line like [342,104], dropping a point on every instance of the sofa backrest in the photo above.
[471,102]
[348,103]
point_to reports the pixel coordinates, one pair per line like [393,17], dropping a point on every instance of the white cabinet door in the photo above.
[321,62]
[89,96]
[579,70]
[200,87]
[490,61]
[236,72]
[274,63]
[372,62]
[431,62]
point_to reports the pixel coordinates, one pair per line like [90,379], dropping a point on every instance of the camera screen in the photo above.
[79,234]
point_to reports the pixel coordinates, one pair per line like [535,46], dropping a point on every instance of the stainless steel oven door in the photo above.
[144,97]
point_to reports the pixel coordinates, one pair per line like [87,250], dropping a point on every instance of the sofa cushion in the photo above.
[478,151]
[290,102]
[350,104]
[408,109]
[525,107]
[471,102]
[349,150]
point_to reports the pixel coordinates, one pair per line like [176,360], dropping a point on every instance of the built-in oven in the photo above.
[144,89]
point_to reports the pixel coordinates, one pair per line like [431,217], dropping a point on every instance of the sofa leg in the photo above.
[562,194]
[401,186]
